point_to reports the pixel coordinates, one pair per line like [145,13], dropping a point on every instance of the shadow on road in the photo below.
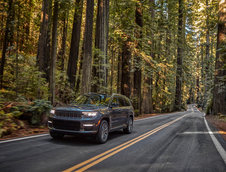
[84,140]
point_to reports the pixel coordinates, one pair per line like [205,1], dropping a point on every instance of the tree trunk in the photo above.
[219,94]
[53,53]
[119,78]
[27,26]
[112,69]
[207,59]
[43,54]
[147,106]
[17,51]
[202,77]
[178,95]
[7,39]
[87,59]
[61,54]
[78,83]
[137,59]
[125,79]
[198,79]
[75,40]
[101,45]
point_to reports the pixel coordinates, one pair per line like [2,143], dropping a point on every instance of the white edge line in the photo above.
[41,135]
[220,149]
[23,138]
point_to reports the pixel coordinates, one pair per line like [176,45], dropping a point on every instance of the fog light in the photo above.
[88,125]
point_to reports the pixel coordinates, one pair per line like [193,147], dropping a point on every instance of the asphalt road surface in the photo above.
[172,142]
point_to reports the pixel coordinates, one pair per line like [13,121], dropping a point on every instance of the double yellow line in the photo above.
[101,157]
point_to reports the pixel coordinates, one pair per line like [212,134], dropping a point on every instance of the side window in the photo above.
[127,103]
[121,101]
[114,102]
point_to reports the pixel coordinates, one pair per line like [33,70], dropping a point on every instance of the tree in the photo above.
[101,45]
[207,57]
[137,59]
[125,69]
[178,95]
[87,58]
[75,40]
[61,54]
[53,52]
[147,104]
[7,39]
[43,54]
[219,92]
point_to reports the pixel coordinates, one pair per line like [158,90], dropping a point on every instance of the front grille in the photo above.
[66,125]
[68,114]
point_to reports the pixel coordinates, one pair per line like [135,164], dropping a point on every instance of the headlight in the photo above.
[90,114]
[52,111]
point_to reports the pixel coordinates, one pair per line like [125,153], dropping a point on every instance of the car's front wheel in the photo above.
[56,135]
[103,132]
[129,127]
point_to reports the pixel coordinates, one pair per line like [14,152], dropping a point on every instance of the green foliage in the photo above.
[12,113]
[64,93]
[9,121]
[209,106]
[36,110]
[6,95]
[29,83]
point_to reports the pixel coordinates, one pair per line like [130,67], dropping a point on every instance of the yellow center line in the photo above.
[117,149]
[104,153]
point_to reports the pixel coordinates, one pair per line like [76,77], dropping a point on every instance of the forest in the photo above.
[162,54]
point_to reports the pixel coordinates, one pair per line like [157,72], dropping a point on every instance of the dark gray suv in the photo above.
[96,114]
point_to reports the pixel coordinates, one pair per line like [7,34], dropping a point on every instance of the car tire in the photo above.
[103,132]
[56,135]
[129,128]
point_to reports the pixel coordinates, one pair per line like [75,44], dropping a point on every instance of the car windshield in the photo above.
[97,100]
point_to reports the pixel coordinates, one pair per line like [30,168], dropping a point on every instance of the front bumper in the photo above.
[73,126]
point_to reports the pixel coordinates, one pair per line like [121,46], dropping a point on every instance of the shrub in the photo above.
[36,111]
[9,122]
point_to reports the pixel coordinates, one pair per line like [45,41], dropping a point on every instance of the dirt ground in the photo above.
[27,131]
[219,123]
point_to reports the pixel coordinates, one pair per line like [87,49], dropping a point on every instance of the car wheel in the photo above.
[129,127]
[103,132]
[55,135]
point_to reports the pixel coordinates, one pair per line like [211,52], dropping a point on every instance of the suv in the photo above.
[96,114]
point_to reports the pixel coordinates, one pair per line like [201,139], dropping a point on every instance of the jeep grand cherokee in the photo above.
[96,114]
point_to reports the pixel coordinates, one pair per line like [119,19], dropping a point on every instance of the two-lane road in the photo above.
[172,142]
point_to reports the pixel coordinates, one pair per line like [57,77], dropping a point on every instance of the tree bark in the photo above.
[207,59]
[75,40]
[125,70]
[53,53]
[119,78]
[7,39]
[137,59]
[43,54]
[178,95]
[101,45]
[61,54]
[219,94]
[147,103]
[87,59]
